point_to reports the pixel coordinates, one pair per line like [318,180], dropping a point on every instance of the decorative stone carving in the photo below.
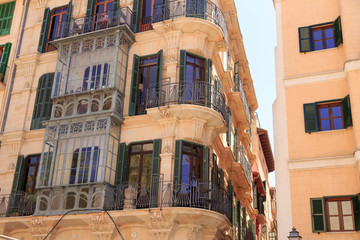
[165,113]
[159,227]
[194,231]
[38,229]
[11,166]
[167,144]
[41,3]
[14,150]
[200,42]
[100,228]
[172,39]
[130,195]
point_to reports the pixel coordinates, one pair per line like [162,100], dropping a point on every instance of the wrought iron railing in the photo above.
[203,9]
[100,21]
[238,87]
[245,164]
[17,204]
[165,194]
[196,93]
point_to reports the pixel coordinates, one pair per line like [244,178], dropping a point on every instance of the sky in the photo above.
[258,28]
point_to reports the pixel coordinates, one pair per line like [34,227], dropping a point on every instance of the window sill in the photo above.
[322,50]
[330,131]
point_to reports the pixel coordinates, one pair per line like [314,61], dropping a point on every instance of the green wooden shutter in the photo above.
[305,39]
[19,174]
[69,12]
[159,77]
[221,180]
[43,102]
[214,171]
[115,5]
[136,15]
[239,220]
[65,30]
[318,215]
[182,76]
[122,162]
[208,82]
[244,222]
[134,85]
[44,31]
[206,156]
[177,162]
[310,117]
[356,207]
[346,107]
[155,173]
[90,10]
[6,17]
[338,31]
[236,154]
[228,133]
[4,61]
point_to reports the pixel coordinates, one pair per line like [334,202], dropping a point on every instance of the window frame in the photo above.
[53,15]
[322,28]
[331,118]
[191,163]
[340,215]
[26,172]
[141,153]
[9,17]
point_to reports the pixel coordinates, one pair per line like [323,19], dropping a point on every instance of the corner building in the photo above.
[126,118]
[316,118]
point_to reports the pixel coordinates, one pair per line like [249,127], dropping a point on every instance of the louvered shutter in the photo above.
[4,61]
[136,15]
[310,117]
[228,133]
[356,207]
[158,78]
[6,17]
[44,31]
[208,82]
[235,148]
[65,30]
[122,162]
[346,107]
[134,85]
[318,215]
[90,10]
[43,102]
[338,31]
[206,156]
[19,174]
[182,76]
[177,162]
[155,173]
[305,39]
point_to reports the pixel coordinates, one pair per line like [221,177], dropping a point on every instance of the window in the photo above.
[53,25]
[191,163]
[6,16]
[43,103]
[84,165]
[145,83]
[327,115]
[4,58]
[31,169]
[194,79]
[96,73]
[335,214]
[228,125]
[321,36]
[139,165]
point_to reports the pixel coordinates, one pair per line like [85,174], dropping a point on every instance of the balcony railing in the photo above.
[238,87]
[17,204]
[165,194]
[196,93]
[245,164]
[96,22]
[202,9]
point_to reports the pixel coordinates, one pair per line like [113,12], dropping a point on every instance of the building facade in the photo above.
[316,118]
[127,119]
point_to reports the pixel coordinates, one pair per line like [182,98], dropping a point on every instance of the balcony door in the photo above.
[146,13]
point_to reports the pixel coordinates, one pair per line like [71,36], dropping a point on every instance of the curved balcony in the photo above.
[202,9]
[195,93]
[100,21]
[165,194]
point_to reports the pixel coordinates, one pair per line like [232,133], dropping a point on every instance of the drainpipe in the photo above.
[22,27]
[8,101]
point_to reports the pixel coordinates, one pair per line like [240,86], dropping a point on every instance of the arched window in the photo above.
[43,103]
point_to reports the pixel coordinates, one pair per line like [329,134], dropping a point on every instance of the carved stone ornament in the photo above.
[194,232]
[159,227]
[165,113]
[38,229]
[100,228]
[41,3]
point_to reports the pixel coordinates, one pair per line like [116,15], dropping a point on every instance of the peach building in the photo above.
[317,118]
[129,119]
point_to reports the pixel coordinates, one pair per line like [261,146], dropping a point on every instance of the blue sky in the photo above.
[258,27]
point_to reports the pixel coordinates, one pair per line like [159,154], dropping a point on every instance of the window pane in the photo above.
[336,111]
[348,223]
[148,147]
[317,35]
[338,123]
[146,169]
[153,60]
[324,113]
[135,148]
[318,45]
[330,43]
[196,175]
[333,208]
[346,207]
[134,170]
[185,169]
[325,125]
[329,33]
[334,223]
